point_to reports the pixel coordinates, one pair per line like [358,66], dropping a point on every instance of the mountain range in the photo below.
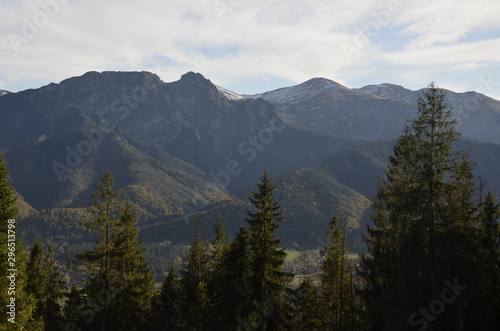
[190,149]
[378,112]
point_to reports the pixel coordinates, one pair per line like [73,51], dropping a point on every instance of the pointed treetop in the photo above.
[8,198]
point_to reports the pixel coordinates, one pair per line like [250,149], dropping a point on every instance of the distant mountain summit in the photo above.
[298,93]
[390,92]
[3,92]
[378,112]
[478,115]
[331,108]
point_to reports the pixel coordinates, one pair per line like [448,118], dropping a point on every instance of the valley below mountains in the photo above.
[189,150]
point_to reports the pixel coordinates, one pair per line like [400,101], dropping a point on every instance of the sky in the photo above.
[255,46]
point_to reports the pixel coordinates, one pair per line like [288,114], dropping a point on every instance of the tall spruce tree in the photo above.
[12,251]
[268,280]
[194,281]
[131,306]
[217,249]
[232,282]
[8,211]
[490,226]
[74,307]
[36,283]
[170,314]
[307,307]
[44,283]
[424,238]
[220,243]
[55,293]
[336,281]
[98,263]
[117,275]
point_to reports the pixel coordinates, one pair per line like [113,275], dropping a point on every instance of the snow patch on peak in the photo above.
[307,90]
[3,92]
[324,84]
[229,94]
[389,92]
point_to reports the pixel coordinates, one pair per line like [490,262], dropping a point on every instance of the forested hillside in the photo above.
[432,241]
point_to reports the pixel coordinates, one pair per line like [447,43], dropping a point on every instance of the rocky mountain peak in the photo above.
[93,84]
[390,92]
[3,92]
[194,79]
[323,85]
[298,93]
[194,88]
[95,92]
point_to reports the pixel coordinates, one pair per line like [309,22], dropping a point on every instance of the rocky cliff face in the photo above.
[151,112]
[140,106]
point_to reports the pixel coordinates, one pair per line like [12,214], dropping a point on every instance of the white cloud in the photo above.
[246,40]
[432,22]
[467,53]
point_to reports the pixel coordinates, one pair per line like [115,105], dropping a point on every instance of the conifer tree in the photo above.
[11,243]
[37,277]
[194,280]
[8,199]
[425,229]
[72,309]
[268,280]
[55,293]
[170,314]
[490,227]
[24,301]
[8,211]
[98,263]
[44,283]
[132,304]
[117,275]
[220,243]
[307,307]
[217,249]
[337,297]
[233,283]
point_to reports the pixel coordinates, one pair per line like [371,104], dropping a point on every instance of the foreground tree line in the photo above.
[433,260]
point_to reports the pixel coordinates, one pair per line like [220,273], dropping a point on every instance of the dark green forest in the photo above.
[431,262]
